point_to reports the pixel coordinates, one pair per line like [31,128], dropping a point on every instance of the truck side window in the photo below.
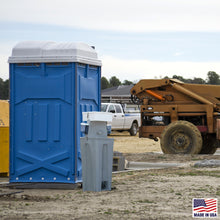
[104,108]
[118,109]
[111,109]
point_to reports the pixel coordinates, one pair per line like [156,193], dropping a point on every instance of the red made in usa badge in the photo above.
[205,208]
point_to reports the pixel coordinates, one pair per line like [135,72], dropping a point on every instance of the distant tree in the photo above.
[198,81]
[1,88]
[104,83]
[4,89]
[179,78]
[194,80]
[114,81]
[127,82]
[213,78]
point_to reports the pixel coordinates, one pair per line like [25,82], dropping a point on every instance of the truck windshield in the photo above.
[103,107]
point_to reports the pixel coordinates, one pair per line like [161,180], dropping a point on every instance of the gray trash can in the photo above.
[96,152]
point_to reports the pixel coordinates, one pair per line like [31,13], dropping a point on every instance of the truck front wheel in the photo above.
[181,137]
[134,128]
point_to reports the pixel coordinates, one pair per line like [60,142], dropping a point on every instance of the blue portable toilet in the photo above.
[51,84]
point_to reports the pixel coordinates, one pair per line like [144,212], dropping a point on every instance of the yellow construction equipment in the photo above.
[4,138]
[186,117]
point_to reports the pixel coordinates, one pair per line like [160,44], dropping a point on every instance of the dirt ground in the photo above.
[146,194]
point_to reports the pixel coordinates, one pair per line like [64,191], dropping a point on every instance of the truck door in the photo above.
[118,116]
[111,109]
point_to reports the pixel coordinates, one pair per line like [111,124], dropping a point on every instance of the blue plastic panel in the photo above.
[46,105]
[88,98]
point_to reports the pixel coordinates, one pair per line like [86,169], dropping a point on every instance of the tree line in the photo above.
[4,89]
[212,78]
[112,82]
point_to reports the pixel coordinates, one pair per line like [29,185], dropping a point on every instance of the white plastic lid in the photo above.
[47,51]
[97,116]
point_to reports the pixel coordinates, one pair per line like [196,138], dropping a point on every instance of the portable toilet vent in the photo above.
[51,84]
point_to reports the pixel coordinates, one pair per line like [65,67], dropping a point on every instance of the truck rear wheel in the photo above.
[181,137]
[210,144]
[134,128]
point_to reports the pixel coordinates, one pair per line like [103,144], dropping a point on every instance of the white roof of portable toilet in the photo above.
[47,52]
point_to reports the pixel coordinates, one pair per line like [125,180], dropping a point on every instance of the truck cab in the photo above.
[122,121]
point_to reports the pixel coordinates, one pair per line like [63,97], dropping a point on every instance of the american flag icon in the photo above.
[205,205]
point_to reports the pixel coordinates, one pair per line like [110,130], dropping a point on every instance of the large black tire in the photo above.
[134,128]
[210,144]
[181,137]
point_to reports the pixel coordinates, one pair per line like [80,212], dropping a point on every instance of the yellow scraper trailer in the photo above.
[4,138]
[186,117]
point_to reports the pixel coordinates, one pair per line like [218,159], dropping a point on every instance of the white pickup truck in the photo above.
[122,121]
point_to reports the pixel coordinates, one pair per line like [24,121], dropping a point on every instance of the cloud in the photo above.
[4,67]
[118,15]
[135,70]
[177,54]
[6,47]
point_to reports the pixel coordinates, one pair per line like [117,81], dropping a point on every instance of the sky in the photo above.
[135,40]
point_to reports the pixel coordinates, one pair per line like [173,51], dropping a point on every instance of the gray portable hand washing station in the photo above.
[96,152]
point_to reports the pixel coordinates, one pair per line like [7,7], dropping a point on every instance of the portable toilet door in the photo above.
[51,84]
